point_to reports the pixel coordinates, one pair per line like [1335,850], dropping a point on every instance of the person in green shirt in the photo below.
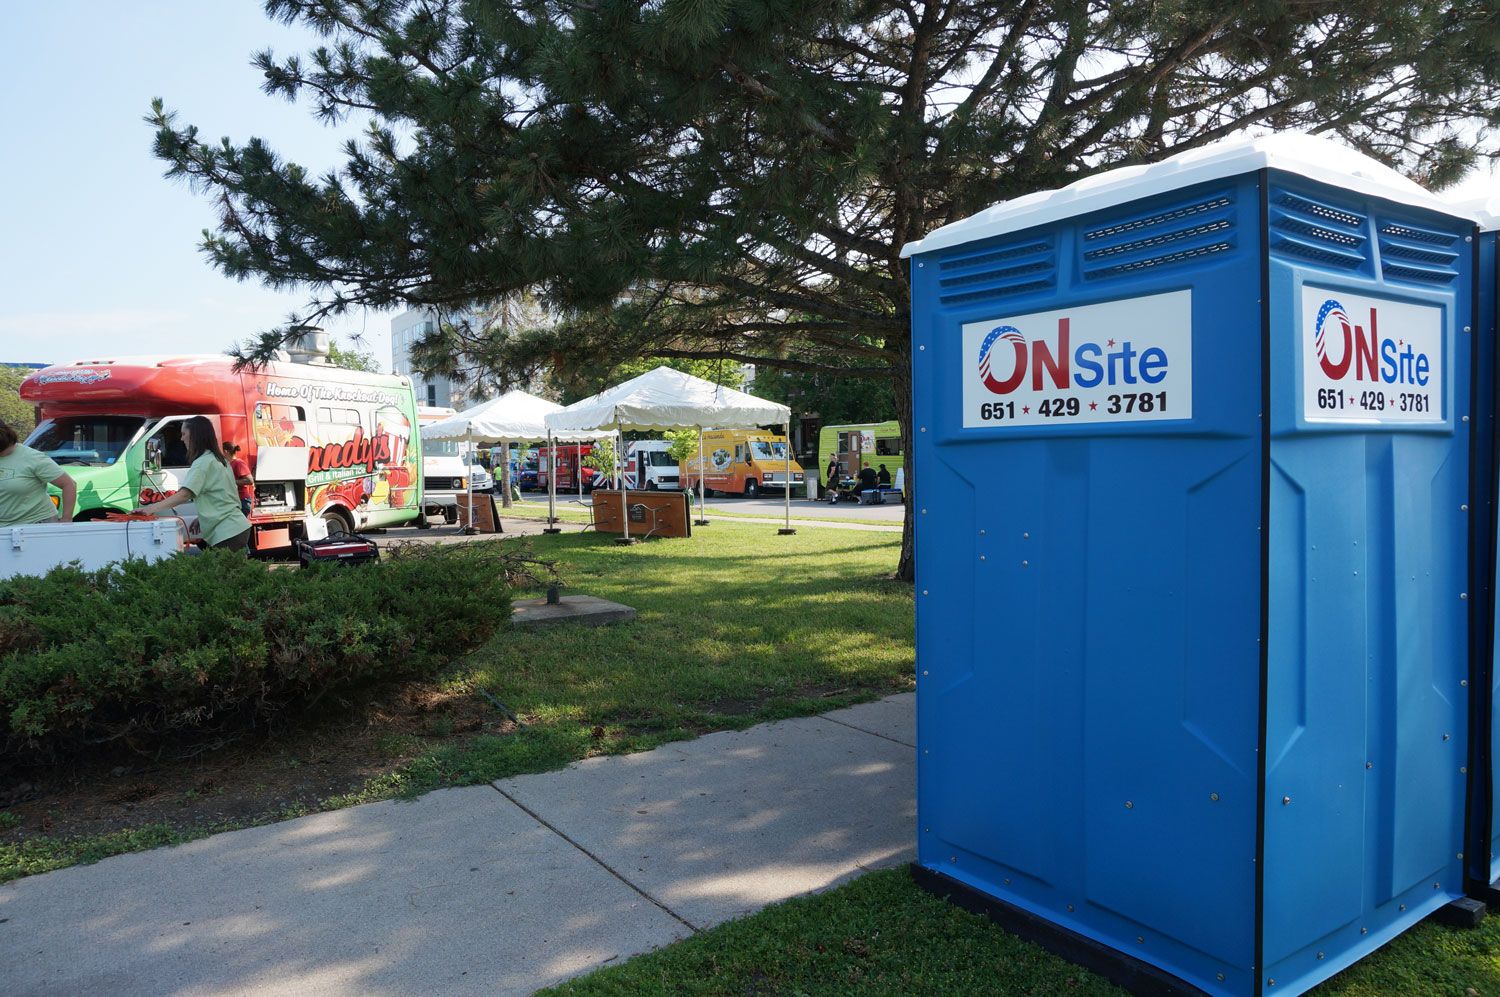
[210,486]
[24,476]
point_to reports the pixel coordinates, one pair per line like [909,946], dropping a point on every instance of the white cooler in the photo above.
[37,549]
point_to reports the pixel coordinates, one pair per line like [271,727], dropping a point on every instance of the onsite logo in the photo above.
[1118,361]
[1090,365]
[1394,361]
[71,375]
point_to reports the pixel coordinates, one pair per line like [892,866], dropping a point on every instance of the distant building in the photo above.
[406,329]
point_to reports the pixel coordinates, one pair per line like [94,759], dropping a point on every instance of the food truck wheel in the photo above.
[651,486]
[337,522]
[752,488]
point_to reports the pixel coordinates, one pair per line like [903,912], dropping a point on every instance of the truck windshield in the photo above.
[761,450]
[441,448]
[95,440]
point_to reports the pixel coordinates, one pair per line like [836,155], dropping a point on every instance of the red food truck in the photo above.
[568,460]
[322,442]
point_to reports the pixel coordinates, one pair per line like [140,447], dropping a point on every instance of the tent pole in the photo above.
[619,469]
[702,509]
[552,526]
[505,475]
[469,482]
[578,471]
[786,453]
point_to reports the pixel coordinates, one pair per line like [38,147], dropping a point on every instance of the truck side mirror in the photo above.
[153,454]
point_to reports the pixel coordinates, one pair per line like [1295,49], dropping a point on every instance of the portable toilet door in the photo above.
[1484,782]
[1191,569]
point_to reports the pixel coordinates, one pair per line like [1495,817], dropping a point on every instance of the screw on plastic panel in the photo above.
[1320,955]
[1466,328]
[921,349]
[1364,931]
[1464,507]
[926,830]
[981,533]
[924,591]
[1025,564]
[1466,418]
[1285,800]
[1270,983]
[1463,682]
[952,858]
[1025,536]
[1463,770]
[1070,907]
[924,671]
[1007,882]
[1401,906]
[1460,856]
[1447,737]
[1221,977]
[1141,939]
[1129,805]
[924,429]
[1369,765]
[924,512]
[981,557]
[1435,885]
[1214,797]
[1468,238]
[1463,595]
[926,751]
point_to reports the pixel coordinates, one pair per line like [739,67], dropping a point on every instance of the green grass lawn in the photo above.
[882,934]
[735,626]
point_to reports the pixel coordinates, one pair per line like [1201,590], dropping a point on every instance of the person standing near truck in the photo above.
[24,476]
[242,478]
[210,486]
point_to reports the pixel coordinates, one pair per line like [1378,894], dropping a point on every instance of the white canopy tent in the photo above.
[670,399]
[514,417]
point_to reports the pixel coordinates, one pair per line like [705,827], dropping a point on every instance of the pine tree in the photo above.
[733,179]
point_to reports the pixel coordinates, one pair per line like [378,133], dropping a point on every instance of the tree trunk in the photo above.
[505,475]
[906,567]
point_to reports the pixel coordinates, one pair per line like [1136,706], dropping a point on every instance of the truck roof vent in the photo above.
[310,347]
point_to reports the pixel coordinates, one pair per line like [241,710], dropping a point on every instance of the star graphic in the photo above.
[1025,408]
[1400,342]
[1093,406]
[1110,343]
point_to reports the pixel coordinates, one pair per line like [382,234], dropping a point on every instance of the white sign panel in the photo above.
[1124,361]
[1370,360]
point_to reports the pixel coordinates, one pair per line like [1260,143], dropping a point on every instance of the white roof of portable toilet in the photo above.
[1320,159]
[1484,210]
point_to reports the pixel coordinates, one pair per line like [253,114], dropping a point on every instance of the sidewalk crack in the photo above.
[862,730]
[599,861]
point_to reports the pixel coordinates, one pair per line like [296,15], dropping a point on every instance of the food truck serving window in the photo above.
[86,439]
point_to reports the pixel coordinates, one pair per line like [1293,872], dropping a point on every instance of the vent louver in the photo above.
[998,272]
[1182,233]
[1312,231]
[1417,255]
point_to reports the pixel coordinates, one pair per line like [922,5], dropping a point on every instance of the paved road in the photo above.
[486,889]
[771,508]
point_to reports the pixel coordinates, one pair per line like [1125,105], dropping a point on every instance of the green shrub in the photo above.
[217,645]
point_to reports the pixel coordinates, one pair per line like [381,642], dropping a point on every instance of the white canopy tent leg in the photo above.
[552,526]
[702,509]
[578,471]
[469,482]
[786,480]
[619,468]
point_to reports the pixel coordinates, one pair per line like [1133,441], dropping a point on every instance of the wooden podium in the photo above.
[652,514]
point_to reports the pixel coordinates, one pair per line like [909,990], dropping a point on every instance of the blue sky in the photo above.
[99,254]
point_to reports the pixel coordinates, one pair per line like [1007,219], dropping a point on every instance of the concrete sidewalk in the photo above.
[484,889]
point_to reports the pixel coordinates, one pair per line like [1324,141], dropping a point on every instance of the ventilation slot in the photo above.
[1417,255]
[1182,233]
[998,272]
[1311,231]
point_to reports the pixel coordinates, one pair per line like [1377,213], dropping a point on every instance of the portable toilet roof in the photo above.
[1309,156]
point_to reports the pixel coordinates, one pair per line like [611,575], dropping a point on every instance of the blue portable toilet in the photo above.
[1191,563]
[1484,815]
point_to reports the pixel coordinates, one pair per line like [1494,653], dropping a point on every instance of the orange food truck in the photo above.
[323,443]
[741,462]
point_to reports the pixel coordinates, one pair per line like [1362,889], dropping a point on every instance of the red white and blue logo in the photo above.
[1118,361]
[1393,360]
[1011,335]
